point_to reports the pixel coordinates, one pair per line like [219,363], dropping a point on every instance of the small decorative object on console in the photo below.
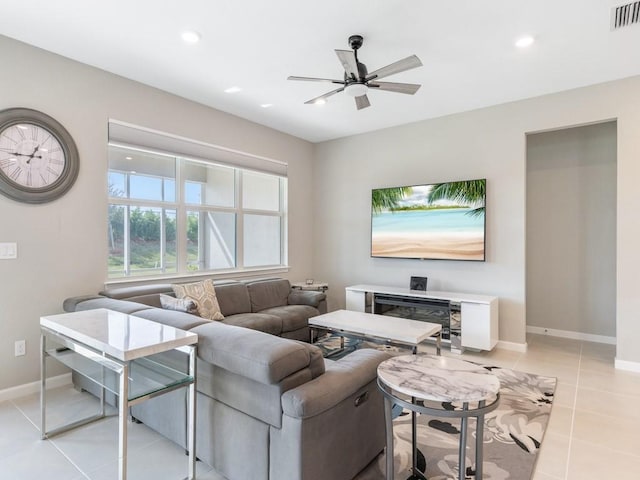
[418,283]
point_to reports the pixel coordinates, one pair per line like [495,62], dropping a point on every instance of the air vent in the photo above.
[625,15]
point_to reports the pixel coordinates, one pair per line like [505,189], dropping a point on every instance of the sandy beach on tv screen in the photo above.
[445,246]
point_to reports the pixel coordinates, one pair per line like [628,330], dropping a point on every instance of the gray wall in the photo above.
[489,143]
[62,246]
[571,229]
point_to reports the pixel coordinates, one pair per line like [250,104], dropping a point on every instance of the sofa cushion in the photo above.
[204,295]
[268,293]
[233,298]
[293,317]
[252,354]
[256,321]
[184,321]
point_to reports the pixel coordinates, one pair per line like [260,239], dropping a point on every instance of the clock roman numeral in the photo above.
[21,133]
[16,173]
[52,171]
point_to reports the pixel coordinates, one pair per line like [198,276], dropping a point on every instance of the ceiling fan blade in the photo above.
[408,88]
[362,102]
[396,67]
[348,60]
[313,79]
[325,96]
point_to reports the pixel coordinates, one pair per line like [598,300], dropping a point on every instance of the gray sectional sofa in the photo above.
[268,405]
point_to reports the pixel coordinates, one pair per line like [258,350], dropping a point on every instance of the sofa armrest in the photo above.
[341,379]
[306,297]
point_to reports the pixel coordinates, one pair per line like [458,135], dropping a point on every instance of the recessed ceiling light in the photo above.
[320,101]
[524,42]
[266,105]
[233,90]
[191,36]
[128,158]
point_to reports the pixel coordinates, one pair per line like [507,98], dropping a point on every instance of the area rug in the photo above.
[513,432]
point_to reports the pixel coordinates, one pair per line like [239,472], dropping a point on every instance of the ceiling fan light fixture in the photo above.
[356,89]
[525,41]
[191,36]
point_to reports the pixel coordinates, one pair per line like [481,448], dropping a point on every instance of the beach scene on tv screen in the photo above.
[440,221]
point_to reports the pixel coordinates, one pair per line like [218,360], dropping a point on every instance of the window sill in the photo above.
[230,274]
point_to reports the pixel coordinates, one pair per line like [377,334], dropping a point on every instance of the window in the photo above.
[174,215]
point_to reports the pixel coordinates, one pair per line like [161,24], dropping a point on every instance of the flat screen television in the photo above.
[441,221]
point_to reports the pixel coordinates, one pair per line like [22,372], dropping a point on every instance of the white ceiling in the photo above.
[466,46]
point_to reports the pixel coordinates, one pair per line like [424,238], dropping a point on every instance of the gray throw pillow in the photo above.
[179,304]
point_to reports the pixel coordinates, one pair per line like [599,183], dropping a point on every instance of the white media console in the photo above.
[470,321]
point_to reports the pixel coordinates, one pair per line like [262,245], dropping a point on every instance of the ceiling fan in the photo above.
[357,81]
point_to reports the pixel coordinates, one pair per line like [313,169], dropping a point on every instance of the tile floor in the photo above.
[594,431]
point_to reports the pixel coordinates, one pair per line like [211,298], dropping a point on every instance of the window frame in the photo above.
[181,207]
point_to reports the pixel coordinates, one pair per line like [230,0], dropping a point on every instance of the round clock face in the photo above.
[38,158]
[31,156]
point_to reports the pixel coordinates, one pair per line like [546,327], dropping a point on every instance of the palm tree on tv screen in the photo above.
[471,192]
[388,198]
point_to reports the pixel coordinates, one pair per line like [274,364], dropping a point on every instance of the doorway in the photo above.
[571,232]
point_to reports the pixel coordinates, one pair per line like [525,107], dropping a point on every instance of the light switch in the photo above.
[8,250]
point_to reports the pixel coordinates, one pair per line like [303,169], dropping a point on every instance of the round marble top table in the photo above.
[438,379]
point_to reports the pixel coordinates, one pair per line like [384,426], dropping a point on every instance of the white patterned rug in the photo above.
[512,436]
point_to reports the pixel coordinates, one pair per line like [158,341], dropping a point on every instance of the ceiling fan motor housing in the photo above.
[357,80]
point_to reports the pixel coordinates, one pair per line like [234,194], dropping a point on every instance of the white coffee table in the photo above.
[113,350]
[377,328]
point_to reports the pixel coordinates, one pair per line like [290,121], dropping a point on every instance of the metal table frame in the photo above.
[479,412]
[371,338]
[121,368]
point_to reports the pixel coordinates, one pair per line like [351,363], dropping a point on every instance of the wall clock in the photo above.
[38,158]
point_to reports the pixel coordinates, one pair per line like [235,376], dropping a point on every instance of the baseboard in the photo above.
[514,347]
[627,365]
[34,387]
[587,337]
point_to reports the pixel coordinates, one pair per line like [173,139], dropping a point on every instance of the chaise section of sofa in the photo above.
[268,407]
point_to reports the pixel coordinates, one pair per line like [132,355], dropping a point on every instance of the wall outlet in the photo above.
[20,348]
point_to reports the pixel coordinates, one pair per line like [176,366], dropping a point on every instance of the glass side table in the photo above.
[117,352]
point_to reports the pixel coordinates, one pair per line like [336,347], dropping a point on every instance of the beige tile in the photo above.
[565,395]
[38,461]
[588,461]
[598,350]
[612,432]
[64,405]
[163,459]
[553,344]
[16,431]
[560,422]
[553,457]
[607,403]
[544,476]
[625,383]
[564,373]
[96,445]
[605,366]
